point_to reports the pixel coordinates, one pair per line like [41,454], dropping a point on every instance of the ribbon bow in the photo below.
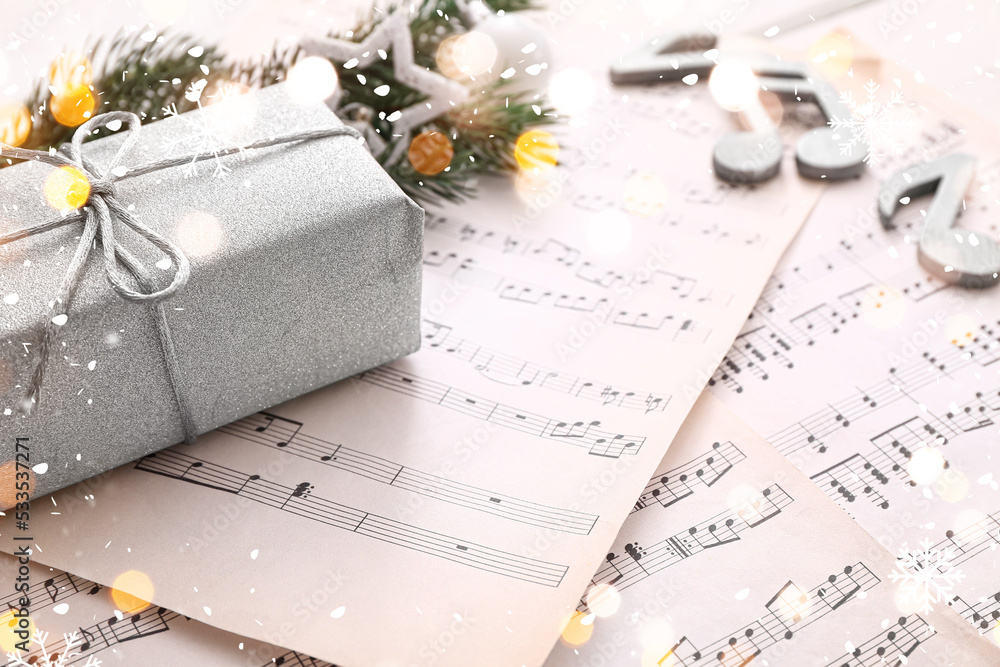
[99,214]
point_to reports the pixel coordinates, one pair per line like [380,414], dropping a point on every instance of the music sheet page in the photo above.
[732,556]
[82,623]
[463,497]
[880,382]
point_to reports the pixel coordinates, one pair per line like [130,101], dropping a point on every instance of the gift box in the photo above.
[305,262]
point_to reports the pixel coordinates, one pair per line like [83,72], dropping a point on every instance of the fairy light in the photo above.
[8,625]
[882,307]
[603,600]
[467,55]
[536,149]
[645,194]
[312,80]
[960,330]
[132,591]
[577,629]
[15,124]
[73,99]
[733,85]
[430,153]
[66,188]
[925,465]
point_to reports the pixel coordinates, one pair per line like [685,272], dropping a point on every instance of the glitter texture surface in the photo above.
[306,265]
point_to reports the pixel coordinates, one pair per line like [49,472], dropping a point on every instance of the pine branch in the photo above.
[147,77]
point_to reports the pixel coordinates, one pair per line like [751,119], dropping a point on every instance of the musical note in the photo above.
[579,433]
[891,647]
[672,486]
[300,501]
[852,477]
[954,256]
[724,528]
[985,615]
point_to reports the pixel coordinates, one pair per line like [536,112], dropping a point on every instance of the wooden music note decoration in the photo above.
[751,156]
[955,256]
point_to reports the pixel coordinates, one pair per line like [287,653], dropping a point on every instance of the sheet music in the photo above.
[754,566]
[469,492]
[887,379]
[79,621]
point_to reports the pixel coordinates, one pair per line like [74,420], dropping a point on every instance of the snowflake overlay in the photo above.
[872,124]
[927,575]
[71,641]
[203,137]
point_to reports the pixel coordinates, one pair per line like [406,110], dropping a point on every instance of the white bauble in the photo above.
[523,52]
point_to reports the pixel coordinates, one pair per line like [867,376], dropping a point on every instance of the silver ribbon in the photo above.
[99,215]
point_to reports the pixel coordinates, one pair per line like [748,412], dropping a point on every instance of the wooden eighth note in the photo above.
[668,57]
[958,257]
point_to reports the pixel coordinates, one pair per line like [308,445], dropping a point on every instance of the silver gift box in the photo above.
[305,269]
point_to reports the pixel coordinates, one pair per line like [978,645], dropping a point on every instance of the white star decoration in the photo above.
[394,33]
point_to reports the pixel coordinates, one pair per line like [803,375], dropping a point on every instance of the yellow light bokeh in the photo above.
[69,70]
[66,188]
[312,80]
[832,54]
[536,149]
[199,234]
[925,465]
[645,195]
[430,153]
[577,629]
[467,55]
[8,624]
[15,124]
[603,600]
[132,591]
[733,85]
[73,105]
[952,486]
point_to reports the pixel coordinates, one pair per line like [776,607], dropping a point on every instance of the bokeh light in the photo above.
[467,55]
[793,604]
[609,232]
[9,482]
[603,600]
[882,307]
[199,234]
[538,188]
[972,525]
[960,330]
[312,80]
[925,465]
[733,85]
[657,638]
[66,188]
[536,149]
[577,629]
[430,153]
[832,55]
[132,591]
[952,486]
[8,625]
[73,106]
[645,195]
[15,124]
[69,70]
[572,91]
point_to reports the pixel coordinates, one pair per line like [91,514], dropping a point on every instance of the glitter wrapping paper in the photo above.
[305,269]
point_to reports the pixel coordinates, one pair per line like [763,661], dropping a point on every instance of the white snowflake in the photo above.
[57,656]
[927,576]
[203,136]
[872,125]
